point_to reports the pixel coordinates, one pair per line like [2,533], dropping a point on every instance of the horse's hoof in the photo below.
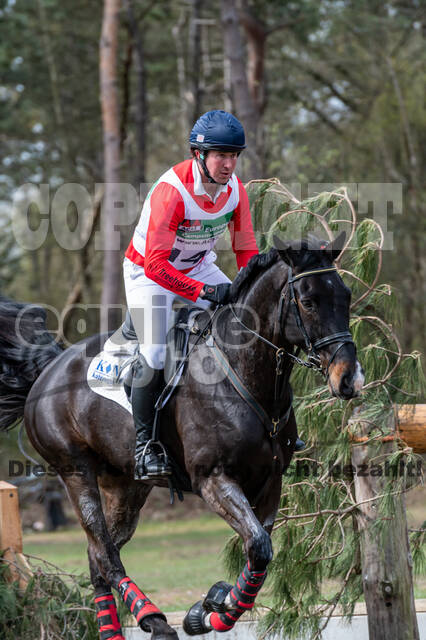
[193,622]
[157,625]
[216,596]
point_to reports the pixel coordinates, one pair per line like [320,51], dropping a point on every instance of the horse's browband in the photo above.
[312,272]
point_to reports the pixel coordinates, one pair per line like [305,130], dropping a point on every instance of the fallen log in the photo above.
[411,426]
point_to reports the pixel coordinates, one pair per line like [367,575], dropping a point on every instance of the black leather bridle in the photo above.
[312,348]
[313,360]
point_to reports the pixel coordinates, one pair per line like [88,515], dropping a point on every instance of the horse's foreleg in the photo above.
[224,604]
[103,551]
[268,503]
[122,504]
[227,499]
[106,613]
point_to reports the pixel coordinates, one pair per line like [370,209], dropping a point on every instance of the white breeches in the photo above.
[150,306]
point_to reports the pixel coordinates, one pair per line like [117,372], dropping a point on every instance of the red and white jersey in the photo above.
[178,229]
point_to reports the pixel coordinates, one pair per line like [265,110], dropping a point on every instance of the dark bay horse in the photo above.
[287,298]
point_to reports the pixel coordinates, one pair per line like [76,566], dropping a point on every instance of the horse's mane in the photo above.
[309,252]
[257,265]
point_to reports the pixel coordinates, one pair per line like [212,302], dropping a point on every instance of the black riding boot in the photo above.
[150,457]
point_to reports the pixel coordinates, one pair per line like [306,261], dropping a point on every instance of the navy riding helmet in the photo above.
[217,130]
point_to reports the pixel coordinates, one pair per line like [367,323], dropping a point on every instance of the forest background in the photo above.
[329,92]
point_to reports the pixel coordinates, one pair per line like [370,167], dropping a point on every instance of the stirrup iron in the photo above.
[163,470]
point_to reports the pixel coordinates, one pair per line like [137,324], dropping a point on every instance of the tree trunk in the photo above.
[385,557]
[256,42]
[245,106]
[195,84]
[141,112]
[53,73]
[181,73]
[112,276]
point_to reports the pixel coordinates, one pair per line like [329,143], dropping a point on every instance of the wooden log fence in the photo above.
[11,536]
[411,426]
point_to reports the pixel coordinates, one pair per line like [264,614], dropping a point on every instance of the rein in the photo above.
[272,425]
[312,362]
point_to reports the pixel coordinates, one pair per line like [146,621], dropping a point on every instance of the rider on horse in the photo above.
[171,257]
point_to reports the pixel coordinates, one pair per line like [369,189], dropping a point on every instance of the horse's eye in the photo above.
[308,304]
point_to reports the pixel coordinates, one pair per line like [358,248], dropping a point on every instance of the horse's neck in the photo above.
[263,299]
[255,360]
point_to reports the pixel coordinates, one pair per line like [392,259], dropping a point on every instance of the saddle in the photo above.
[177,343]
[190,325]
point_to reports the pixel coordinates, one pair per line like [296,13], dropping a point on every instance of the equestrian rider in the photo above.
[171,257]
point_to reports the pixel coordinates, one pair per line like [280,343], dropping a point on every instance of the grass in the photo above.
[174,561]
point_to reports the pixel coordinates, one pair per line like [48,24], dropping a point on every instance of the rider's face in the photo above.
[221,165]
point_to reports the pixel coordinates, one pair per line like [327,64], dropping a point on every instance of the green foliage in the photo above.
[54,606]
[316,538]
[233,556]
[418,549]
[365,260]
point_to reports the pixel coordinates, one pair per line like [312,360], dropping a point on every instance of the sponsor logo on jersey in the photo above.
[203,229]
[193,225]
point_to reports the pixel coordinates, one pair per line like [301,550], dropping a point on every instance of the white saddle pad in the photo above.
[107,369]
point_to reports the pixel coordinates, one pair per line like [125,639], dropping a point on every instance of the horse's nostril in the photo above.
[346,386]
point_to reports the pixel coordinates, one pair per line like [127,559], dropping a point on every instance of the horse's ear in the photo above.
[334,249]
[285,251]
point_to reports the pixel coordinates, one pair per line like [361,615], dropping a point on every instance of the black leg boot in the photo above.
[150,457]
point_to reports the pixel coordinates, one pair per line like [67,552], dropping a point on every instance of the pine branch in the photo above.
[315,536]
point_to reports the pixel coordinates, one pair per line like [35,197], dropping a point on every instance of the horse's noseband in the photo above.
[313,361]
[342,337]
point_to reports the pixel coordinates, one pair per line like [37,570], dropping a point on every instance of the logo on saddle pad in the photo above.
[106,370]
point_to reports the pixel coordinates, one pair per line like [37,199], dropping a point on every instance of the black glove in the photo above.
[218,293]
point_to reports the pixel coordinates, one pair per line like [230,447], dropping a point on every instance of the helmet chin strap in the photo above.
[202,161]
